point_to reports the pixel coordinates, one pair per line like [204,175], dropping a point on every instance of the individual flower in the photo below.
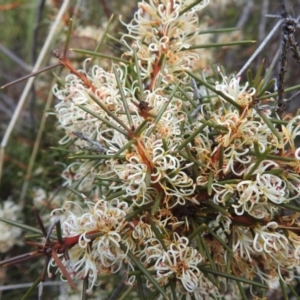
[243,243]
[232,89]
[249,194]
[291,131]
[223,192]
[179,260]
[268,241]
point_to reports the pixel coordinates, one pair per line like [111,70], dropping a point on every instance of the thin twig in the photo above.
[27,285]
[28,86]
[197,96]
[258,50]
[97,146]
[281,75]
[244,16]
[106,8]
[35,149]
[15,58]
[263,20]
[38,19]
[117,291]
[288,43]
[289,101]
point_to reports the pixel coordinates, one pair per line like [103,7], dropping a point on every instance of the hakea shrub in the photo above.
[187,181]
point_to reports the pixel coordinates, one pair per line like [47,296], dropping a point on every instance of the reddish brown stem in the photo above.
[105,8]
[63,269]
[81,76]
[155,72]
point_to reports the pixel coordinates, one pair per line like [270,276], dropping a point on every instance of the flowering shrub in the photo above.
[188,182]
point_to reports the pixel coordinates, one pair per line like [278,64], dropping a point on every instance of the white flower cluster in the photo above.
[159,168]
[10,235]
[260,172]
[101,253]
[160,30]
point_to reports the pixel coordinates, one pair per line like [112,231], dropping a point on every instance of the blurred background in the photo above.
[25,25]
